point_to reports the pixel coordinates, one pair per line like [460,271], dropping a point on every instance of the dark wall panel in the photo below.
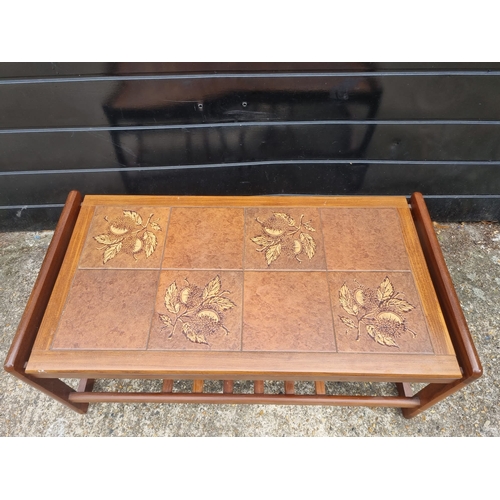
[258,142]
[100,103]
[250,128]
[256,179]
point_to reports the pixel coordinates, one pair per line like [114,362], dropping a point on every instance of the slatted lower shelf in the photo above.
[197,396]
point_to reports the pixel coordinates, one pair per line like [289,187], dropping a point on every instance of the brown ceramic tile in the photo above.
[390,320]
[363,239]
[290,240]
[287,311]
[209,303]
[125,237]
[107,309]
[205,238]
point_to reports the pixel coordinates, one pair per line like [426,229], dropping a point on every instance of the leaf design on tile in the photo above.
[193,335]
[111,251]
[150,243]
[212,288]
[172,299]
[272,253]
[285,217]
[385,290]
[309,244]
[307,225]
[348,322]
[282,236]
[134,216]
[380,312]
[346,301]
[165,319]
[223,303]
[201,312]
[129,235]
[106,239]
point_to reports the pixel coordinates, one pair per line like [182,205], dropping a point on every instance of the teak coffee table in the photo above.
[245,288]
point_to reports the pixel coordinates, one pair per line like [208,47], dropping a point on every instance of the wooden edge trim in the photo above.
[450,304]
[27,330]
[247,201]
[293,399]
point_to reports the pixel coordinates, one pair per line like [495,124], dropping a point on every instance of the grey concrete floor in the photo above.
[472,252]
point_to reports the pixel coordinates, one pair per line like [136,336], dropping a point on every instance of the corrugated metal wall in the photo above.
[245,129]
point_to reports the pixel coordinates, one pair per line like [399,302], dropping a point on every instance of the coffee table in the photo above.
[283,288]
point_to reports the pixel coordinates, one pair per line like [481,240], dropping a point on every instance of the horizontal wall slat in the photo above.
[302,178]
[146,148]
[13,70]
[99,103]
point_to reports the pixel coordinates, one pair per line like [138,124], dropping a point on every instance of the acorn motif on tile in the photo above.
[129,235]
[381,312]
[199,311]
[282,236]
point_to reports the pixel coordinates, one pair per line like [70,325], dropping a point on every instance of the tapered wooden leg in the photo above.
[434,393]
[54,388]
[27,330]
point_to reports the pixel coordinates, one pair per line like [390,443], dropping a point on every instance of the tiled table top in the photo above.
[332,286]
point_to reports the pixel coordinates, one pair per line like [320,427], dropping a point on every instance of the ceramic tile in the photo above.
[287,311]
[125,237]
[378,312]
[283,238]
[363,239]
[205,238]
[198,310]
[107,309]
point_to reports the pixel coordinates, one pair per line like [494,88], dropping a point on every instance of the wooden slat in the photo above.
[258,387]
[168,385]
[293,399]
[289,387]
[198,386]
[228,386]
[319,387]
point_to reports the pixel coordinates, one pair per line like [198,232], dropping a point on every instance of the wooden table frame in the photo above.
[78,400]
